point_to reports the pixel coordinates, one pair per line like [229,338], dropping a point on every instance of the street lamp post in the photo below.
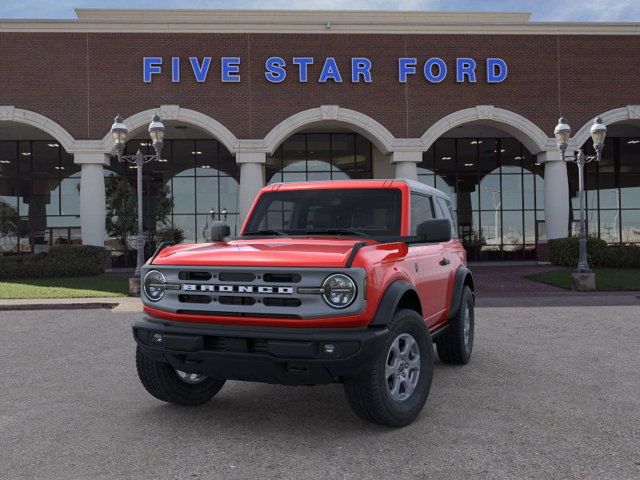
[562,133]
[156,132]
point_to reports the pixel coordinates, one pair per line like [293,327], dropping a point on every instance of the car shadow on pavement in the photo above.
[250,408]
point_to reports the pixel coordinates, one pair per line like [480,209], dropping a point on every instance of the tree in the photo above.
[9,223]
[122,209]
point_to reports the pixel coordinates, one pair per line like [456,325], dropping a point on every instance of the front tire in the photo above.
[456,344]
[174,386]
[394,387]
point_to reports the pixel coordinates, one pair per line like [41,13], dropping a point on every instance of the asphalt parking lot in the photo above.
[551,392]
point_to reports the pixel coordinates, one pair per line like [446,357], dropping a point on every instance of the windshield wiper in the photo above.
[266,232]
[337,231]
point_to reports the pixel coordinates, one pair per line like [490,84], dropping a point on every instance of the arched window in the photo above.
[612,188]
[320,156]
[496,190]
[39,196]
[195,179]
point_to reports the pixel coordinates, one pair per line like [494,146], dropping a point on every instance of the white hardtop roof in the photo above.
[420,187]
[414,185]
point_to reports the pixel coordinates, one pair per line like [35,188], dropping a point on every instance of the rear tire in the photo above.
[169,385]
[456,344]
[394,387]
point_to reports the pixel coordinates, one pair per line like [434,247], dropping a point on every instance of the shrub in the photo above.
[61,261]
[565,252]
[619,256]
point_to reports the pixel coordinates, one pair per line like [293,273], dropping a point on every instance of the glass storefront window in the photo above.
[320,156]
[512,192]
[612,191]
[195,183]
[39,195]
[630,223]
[498,196]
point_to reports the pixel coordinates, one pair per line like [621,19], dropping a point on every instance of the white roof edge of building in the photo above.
[347,16]
[311,21]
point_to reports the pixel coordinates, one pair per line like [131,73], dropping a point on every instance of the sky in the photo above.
[542,10]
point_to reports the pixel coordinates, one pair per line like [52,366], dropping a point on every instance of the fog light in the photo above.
[329,348]
[157,338]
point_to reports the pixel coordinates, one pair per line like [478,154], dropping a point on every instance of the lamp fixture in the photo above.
[598,133]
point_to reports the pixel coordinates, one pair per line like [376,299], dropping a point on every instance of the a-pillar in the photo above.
[252,166]
[556,194]
[92,197]
[406,164]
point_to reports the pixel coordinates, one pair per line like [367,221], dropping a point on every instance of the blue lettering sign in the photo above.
[360,67]
[275,69]
[465,67]
[230,67]
[428,70]
[150,66]
[434,69]
[175,69]
[200,71]
[303,66]
[496,70]
[406,66]
[331,71]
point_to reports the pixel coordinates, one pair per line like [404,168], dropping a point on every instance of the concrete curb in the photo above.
[579,300]
[117,304]
[57,306]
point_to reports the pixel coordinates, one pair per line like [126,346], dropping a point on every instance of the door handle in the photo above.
[445,261]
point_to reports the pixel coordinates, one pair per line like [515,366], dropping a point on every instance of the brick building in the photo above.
[466,102]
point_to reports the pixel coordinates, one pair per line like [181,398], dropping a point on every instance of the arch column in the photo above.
[252,166]
[92,197]
[556,194]
[406,163]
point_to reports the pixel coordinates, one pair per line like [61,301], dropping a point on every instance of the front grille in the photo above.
[237,277]
[282,277]
[282,302]
[236,292]
[197,276]
[194,298]
[235,344]
[236,300]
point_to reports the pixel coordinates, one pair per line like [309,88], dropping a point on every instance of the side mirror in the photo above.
[435,230]
[219,230]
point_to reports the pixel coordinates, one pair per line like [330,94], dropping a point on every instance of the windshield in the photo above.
[354,212]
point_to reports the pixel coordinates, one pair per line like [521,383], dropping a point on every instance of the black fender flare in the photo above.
[389,302]
[459,281]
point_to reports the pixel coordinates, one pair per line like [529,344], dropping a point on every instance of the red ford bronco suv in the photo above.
[337,281]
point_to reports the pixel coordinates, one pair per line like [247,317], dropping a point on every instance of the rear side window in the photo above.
[421,210]
[447,212]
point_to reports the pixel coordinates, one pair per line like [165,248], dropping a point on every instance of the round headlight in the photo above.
[339,290]
[154,285]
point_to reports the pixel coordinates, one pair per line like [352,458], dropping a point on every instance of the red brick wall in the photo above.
[82,80]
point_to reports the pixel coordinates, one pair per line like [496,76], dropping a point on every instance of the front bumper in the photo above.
[289,356]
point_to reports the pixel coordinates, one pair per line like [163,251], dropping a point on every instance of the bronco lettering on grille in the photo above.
[189,287]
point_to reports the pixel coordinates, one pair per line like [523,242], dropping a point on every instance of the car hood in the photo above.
[263,252]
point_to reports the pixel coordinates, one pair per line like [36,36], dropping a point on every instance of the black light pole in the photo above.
[562,133]
[156,132]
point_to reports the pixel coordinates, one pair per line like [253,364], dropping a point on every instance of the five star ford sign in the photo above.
[362,69]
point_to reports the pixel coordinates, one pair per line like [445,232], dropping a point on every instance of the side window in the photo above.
[447,211]
[421,210]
